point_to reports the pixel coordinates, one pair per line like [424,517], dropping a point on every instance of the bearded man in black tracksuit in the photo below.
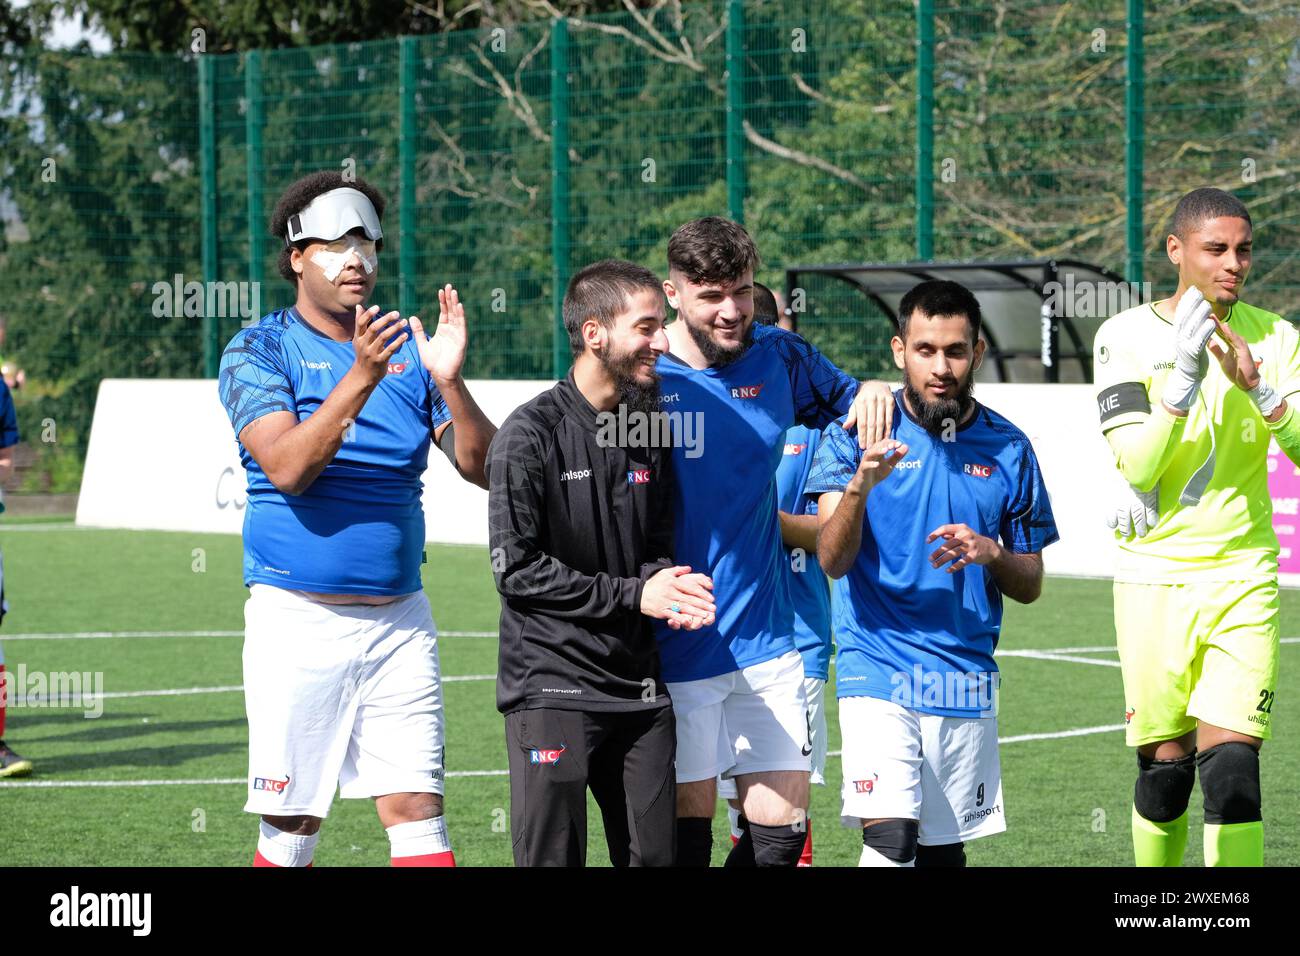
[581,538]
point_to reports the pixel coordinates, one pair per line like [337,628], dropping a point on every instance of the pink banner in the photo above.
[1284,488]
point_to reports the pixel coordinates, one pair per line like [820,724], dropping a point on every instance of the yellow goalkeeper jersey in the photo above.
[1222,455]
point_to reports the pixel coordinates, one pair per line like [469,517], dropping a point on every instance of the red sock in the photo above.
[3,699]
[805,858]
[446,858]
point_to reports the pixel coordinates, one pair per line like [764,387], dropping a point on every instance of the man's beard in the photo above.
[935,415]
[633,395]
[716,355]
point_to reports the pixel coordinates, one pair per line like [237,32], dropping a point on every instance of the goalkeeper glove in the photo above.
[1193,326]
[1137,513]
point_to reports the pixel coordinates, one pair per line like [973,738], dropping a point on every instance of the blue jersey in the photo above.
[359,527]
[810,594]
[906,631]
[8,427]
[725,518]
[8,417]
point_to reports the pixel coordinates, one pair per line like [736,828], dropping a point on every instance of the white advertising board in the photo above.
[162,457]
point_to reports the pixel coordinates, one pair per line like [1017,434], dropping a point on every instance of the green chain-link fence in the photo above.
[878,131]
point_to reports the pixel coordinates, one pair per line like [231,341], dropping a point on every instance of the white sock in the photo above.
[419,837]
[286,849]
[871,857]
[733,815]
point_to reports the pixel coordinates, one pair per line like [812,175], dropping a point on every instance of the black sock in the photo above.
[694,841]
[742,854]
[949,854]
[777,846]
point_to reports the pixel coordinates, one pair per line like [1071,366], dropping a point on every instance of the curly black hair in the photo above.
[299,195]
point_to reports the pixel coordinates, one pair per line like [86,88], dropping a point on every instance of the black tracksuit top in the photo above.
[575,531]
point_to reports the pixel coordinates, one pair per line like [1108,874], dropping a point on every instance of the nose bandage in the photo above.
[332,263]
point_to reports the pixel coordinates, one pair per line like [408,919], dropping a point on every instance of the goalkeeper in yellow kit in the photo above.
[1190,390]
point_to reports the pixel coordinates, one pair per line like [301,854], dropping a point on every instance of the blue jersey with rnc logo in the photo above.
[359,527]
[904,630]
[733,422]
[810,593]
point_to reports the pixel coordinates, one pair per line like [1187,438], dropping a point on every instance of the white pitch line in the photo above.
[1053,735]
[215,781]
[1080,732]
[229,689]
[103,635]
[1052,656]
[99,635]
[1071,650]
[1109,647]
[58,784]
[33,700]
[1066,653]
[49,526]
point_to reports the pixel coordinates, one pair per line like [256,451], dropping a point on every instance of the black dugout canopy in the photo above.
[1040,315]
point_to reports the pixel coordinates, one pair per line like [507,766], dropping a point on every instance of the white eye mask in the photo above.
[332,263]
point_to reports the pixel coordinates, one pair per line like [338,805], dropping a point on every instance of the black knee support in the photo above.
[1230,783]
[1164,787]
[949,854]
[742,854]
[895,840]
[777,846]
[694,841]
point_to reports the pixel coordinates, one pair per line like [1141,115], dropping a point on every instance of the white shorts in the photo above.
[747,721]
[344,696]
[906,765]
[814,689]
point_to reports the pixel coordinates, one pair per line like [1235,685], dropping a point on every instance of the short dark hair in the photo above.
[600,291]
[300,194]
[711,251]
[941,297]
[1200,206]
[766,311]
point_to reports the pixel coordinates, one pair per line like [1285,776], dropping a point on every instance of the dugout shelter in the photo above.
[1040,315]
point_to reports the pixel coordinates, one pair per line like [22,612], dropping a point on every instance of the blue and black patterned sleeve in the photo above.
[1028,525]
[822,392]
[8,418]
[438,411]
[836,461]
[252,380]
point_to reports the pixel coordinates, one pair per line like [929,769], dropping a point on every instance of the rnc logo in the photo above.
[747,391]
[638,476]
[978,471]
[793,449]
[546,756]
[866,786]
[396,368]
[266,783]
